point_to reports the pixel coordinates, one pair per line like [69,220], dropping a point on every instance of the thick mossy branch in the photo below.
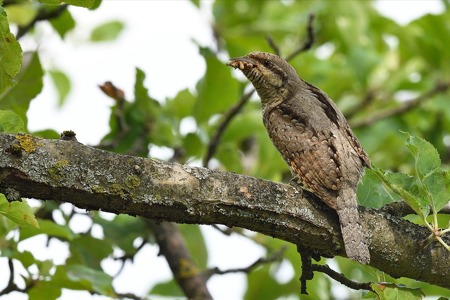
[89,178]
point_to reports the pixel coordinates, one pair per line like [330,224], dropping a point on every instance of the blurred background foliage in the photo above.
[385,77]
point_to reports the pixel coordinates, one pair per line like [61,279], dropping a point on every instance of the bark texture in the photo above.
[89,178]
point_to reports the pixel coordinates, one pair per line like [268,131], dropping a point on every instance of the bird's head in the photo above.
[268,73]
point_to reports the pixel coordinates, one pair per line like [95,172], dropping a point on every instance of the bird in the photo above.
[314,138]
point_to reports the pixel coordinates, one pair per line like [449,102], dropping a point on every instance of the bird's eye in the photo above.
[266,63]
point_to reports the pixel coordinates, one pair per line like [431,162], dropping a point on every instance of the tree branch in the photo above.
[403,107]
[172,246]
[11,286]
[95,179]
[167,235]
[273,45]
[341,278]
[260,261]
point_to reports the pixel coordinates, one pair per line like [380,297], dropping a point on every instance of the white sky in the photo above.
[158,39]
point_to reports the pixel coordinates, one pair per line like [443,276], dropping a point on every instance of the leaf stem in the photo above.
[443,243]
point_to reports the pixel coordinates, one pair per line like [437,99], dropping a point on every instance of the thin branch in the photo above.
[401,209]
[229,115]
[273,45]
[261,261]
[309,40]
[234,110]
[403,107]
[43,14]
[227,231]
[11,287]
[307,271]
[341,278]
[125,257]
[129,296]
[367,100]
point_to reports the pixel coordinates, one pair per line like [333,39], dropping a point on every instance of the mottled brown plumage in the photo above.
[314,138]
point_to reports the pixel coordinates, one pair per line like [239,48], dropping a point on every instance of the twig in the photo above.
[234,110]
[404,107]
[125,257]
[227,231]
[273,45]
[309,41]
[11,287]
[229,115]
[367,100]
[129,296]
[42,15]
[307,270]
[401,209]
[261,261]
[341,278]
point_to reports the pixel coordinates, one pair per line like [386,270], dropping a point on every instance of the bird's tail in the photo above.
[355,239]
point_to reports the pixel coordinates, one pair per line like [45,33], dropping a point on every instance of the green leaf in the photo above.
[82,3]
[169,288]
[62,84]
[21,13]
[96,4]
[438,186]
[107,32]
[192,145]
[144,107]
[49,228]
[18,211]
[89,251]
[390,291]
[262,286]
[122,231]
[406,187]
[196,3]
[51,2]
[47,134]
[63,23]
[10,54]
[182,105]
[46,267]
[195,244]
[244,126]
[217,90]
[26,258]
[10,122]
[372,192]
[44,290]
[95,280]
[60,279]
[29,85]
[426,156]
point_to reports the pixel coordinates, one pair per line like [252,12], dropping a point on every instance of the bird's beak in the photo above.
[241,63]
